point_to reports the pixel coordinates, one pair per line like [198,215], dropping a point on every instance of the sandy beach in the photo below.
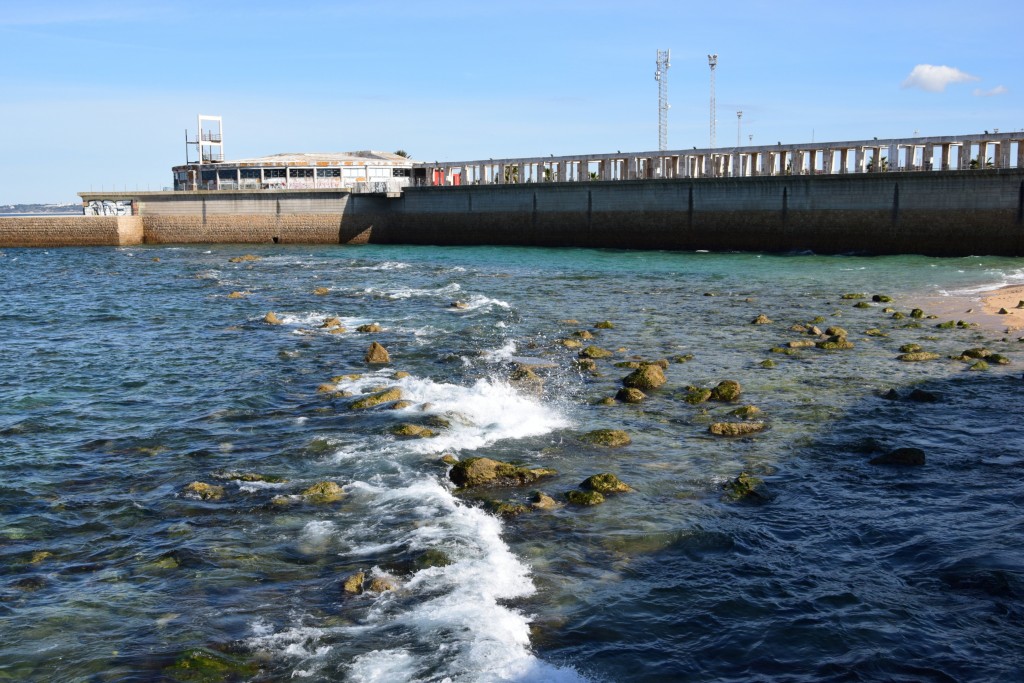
[981,308]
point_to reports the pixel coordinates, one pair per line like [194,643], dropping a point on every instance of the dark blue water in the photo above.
[123,379]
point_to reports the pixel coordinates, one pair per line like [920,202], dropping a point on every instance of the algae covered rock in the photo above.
[488,472]
[505,508]
[852,295]
[767,363]
[646,377]
[901,457]
[371,327]
[583,334]
[917,313]
[432,557]
[571,343]
[207,666]
[584,498]
[203,491]
[595,352]
[586,364]
[761,319]
[746,412]
[605,325]
[882,298]
[917,356]
[323,492]
[376,399]
[610,438]
[321,291]
[236,295]
[746,488]
[630,395]
[411,431]
[380,584]
[696,395]
[736,428]
[727,391]
[911,348]
[271,319]
[801,344]
[835,344]
[353,584]
[377,354]
[604,483]
[979,365]
[244,258]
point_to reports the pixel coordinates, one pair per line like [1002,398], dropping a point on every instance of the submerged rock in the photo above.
[432,557]
[370,327]
[237,295]
[583,334]
[746,488]
[696,395]
[271,319]
[911,348]
[571,343]
[646,377]
[904,457]
[979,365]
[605,325]
[761,319]
[379,584]
[922,396]
[586,364]
[245,258]
[506,508]
[882,298]
[331,322]
[323,492]
[746,412]
[767,363]
[203,491]
[201,665]
[604,483]
[377,354]
[611,438]
[488,472]
[321,291]
[736,428]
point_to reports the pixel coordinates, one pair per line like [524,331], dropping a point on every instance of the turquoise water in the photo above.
[124,378]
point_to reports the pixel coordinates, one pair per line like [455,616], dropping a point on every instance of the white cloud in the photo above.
[933,78]
[998,90]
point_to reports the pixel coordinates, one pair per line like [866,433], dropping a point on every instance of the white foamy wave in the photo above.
[410,292]
[480,415]
[478,301]
[386,265]
[502,353]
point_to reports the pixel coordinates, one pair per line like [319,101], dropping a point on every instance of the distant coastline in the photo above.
[73,209]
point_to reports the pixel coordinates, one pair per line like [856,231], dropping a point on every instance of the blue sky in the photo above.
[98,94]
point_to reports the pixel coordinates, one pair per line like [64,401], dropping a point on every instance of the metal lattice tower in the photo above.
[662,64]
[712,62]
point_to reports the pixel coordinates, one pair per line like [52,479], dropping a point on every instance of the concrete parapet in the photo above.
[70,231]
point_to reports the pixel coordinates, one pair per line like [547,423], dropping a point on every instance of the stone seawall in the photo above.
[70,231]
[299,228]
[942,213]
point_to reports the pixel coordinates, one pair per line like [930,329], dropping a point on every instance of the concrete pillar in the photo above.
[1003,154]
[945,156]
[982,153]
[965,155]
[1020,154]
[928,158]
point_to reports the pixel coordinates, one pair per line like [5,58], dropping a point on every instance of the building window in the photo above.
[273,173]
[401,172]
[250,173]
[328,173]
[300,172]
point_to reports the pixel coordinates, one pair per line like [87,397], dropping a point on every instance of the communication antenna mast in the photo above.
[712,62]
[739,127]
[662,64]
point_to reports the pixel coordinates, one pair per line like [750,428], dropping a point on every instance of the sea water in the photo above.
[127,374]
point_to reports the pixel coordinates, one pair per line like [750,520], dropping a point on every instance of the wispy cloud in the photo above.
[998,90]
[931,78]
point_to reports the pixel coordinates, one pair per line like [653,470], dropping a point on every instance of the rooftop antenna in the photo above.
[739,127]
[662,64]
[712,62]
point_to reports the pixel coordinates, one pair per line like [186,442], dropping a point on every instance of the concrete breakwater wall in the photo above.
[950,213]
[68,231]
[940,213]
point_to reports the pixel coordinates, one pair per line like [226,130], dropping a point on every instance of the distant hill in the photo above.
[68,209]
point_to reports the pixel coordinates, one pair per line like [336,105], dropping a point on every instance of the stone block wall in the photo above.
[297,228]
[70,231]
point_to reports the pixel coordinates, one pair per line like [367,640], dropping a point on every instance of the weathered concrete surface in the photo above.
[936,213]
[65,231]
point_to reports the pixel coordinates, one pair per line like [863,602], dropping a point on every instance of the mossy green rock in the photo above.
[976,353]
[583,334]
[376,399]
[998,359]
[504,508]
[979,365]
[875,332]
[736,428]
[605,325]
[767,363]
[584,497]
[207,666]
[432,557]
[604,483]
[595,352]
[948,325]
[684,358]
[630,395]
[411,431]
[646,377]
[203,491]
[728,390]
[917,356]
[835,344]
[610,438]
[488,472]
[911,348]
[862,304]
[852,295]
[761,319]
[696,395]
[746,412]
[586,364]
[881,298]
[746,488]
[542,501]
[917,313]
